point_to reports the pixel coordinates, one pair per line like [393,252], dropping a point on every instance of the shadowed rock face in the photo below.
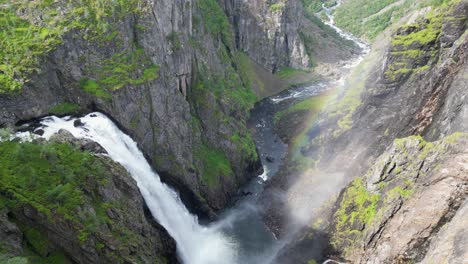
[285,36]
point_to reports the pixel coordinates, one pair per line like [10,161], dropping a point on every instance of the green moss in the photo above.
[312,6]
[347,102]
[288,72]
[215,165]
[26,40]
[310,44]
[429,33]
[174,39]
[247,72]
[120,70]
[49,177]
[94,88]
[399,192]
[64,108]
[277,7]
[245,144]
[39,243]
[453,138]
[313,104]
[215,20]
[231,87]
[357,207]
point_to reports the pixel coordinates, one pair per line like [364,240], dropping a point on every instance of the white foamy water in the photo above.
[196,244]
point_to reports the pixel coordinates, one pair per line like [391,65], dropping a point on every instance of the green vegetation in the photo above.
[36,239]
[313,104]
[410,51]
[288,72]
[120,70]
[359,210]
[277,7]
[30,257]
[50,177]
[362,17]
[247,71]
[245,144]
[215,21]
[174,39]
[368,18]
[27,39]
[222,95]
[64,109]
[215,165]
[62,183]
[309,44]
[423,35]
[312,6]
[93,88]
[357,207]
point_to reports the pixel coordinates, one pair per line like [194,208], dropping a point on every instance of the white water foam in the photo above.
[196,244]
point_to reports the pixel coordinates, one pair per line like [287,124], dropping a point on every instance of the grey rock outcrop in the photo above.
[421,190]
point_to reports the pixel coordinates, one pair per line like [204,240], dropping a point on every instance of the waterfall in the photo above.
[196,244]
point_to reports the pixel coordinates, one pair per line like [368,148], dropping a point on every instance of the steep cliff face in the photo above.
[279,34]
[421,69]
[409,207]
[269,32]
[413,83]
[64,202]
[167,72]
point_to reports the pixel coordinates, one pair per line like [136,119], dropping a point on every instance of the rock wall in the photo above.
[177,117]
[279,34]
[413,83]
[409,204]
[269,32]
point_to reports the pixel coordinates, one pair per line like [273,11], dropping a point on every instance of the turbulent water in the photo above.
[196,244]
[241,235]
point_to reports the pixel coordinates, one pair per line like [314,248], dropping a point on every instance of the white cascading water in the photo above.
[196,244]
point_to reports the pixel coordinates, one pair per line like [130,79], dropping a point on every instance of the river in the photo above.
[240,236]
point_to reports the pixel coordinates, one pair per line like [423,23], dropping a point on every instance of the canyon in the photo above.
[230,131]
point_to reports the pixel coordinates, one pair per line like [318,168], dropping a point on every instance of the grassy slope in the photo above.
[368,18]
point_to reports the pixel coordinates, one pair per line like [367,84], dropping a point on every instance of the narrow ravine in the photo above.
[196,244]
[240,236]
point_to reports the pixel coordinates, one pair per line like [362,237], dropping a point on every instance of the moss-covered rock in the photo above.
[369,204]
[75,204]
